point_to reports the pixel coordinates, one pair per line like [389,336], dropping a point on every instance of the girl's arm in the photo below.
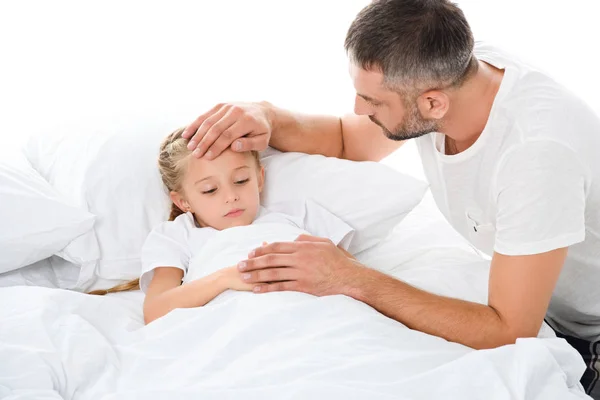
[165,292]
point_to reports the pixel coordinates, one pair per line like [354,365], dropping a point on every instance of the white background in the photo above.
[67,59]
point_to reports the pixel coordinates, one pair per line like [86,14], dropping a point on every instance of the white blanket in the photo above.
[57,344]
[228,247]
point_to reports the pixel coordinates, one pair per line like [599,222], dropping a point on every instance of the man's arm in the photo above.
[254,126]
[520,289]
[541,201]
[351,137]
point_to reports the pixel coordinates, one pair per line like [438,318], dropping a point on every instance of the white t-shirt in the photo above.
[530,184]
[199,252]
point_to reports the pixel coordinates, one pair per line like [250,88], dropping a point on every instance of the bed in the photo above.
[60,344]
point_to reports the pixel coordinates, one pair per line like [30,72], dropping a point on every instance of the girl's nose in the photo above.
[231,197]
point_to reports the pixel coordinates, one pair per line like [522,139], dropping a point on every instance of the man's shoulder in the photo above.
[532,101]
[521,78]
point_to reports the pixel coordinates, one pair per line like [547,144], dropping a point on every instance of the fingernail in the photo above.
[241,265]
[237,146]
[191,145]
[251,254]
[246,276]
[209,154]
[196,153]
[256,289]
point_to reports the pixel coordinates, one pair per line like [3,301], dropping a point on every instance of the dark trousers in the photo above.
[590,351]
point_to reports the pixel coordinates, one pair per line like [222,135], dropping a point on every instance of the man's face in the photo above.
[398,118]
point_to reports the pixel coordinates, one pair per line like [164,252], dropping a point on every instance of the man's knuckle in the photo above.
[304,246]
[213,132]
[236,111]
[258,252]
[258,276]
[247,119]
[208,123]
[273,275]
[227,134]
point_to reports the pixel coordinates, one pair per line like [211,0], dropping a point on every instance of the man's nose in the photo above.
[361,107]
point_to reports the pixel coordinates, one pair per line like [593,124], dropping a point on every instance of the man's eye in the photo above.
[209,191]
[241,182]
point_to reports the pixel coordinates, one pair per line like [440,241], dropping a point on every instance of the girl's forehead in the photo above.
[227,162]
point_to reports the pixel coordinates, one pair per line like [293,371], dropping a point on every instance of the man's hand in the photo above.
[241,126]
[310,264]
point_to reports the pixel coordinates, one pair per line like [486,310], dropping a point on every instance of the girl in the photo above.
[216,220]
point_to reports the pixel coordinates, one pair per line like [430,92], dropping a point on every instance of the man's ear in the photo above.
[180,201]
[433,105]
[261,179]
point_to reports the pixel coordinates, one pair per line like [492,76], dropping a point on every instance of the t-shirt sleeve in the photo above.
[166,246]
[540,198]
[319,221]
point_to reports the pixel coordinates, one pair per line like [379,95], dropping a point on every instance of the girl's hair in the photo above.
[172,162]
[124,287]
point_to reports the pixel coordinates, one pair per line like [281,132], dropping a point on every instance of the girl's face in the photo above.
[223,192]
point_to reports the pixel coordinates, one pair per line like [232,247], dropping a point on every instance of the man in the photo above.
[511,157]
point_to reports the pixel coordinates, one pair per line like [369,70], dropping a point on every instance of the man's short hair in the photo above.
[414,43]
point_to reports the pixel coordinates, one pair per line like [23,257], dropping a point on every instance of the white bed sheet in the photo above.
[59,344]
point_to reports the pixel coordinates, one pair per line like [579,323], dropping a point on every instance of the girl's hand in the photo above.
[233,280]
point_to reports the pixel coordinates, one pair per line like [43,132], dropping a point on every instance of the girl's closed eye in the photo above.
[209,191]
[242,181]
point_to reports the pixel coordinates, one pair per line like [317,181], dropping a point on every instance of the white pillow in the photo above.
[35,221]
[372,198]
[113,172]
[111,169]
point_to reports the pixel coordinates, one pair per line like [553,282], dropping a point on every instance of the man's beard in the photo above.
[412,127]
